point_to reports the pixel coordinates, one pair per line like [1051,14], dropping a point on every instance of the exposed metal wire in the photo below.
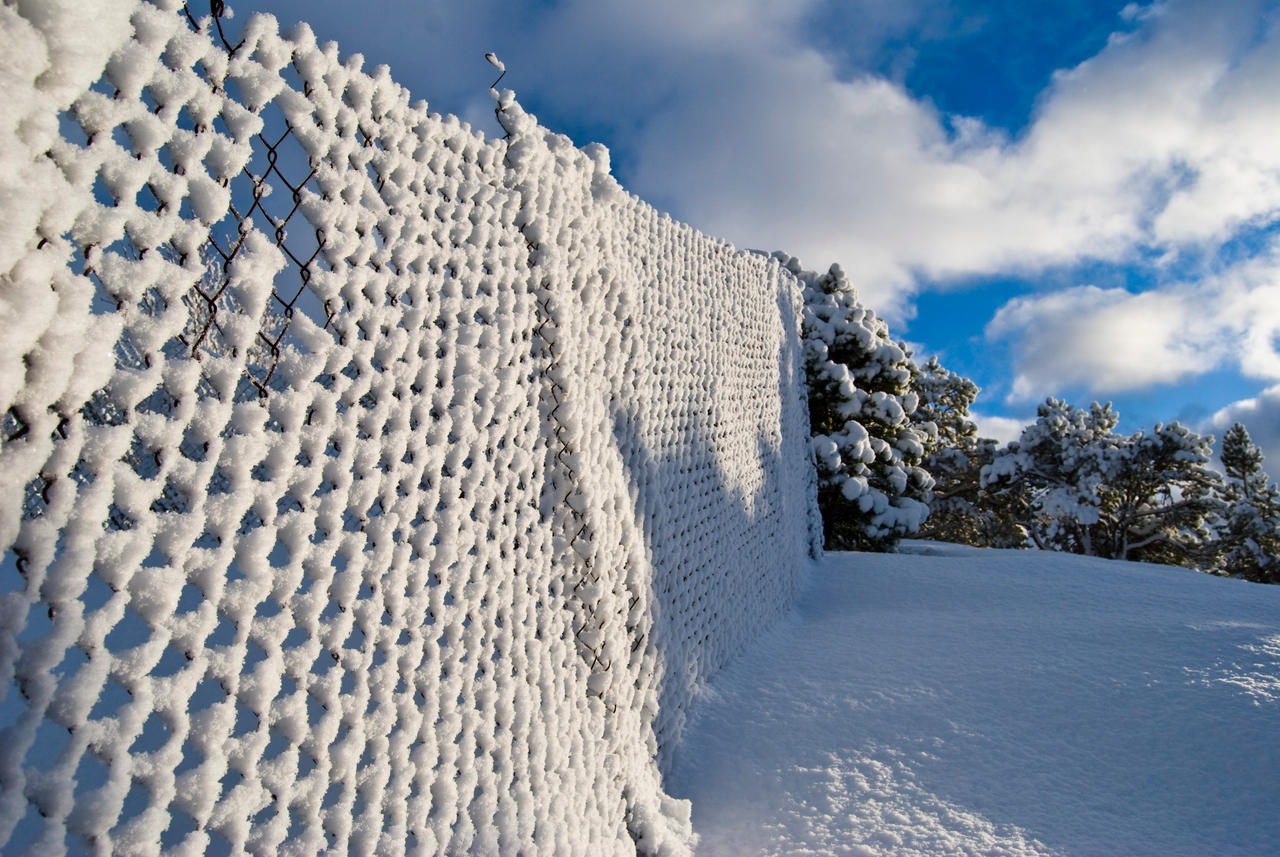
[225,246]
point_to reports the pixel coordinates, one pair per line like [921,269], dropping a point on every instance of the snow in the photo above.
[531,463]
[452,582]
[958,701]
[866,446]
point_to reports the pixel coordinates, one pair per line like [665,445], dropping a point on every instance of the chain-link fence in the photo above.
[371,486]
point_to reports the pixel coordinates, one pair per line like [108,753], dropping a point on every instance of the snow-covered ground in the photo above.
[960,701]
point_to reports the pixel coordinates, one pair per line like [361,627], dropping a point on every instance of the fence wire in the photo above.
[351,461]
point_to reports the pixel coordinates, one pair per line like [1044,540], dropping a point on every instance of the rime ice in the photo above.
[426,554]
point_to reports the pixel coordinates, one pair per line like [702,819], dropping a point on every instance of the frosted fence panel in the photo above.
[365,486]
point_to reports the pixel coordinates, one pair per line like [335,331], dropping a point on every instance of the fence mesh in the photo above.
[365,485]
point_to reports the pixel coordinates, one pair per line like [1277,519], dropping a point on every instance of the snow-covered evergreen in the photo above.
[1081,487]
[871,488]
[1250,530]
[959,510]
[944,399]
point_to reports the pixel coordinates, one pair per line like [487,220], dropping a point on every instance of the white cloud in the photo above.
[1165,137]
[1002,429]
[1101,339]
[730,115]
[1111,340]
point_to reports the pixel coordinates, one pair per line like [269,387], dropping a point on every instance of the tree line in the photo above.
[898,454]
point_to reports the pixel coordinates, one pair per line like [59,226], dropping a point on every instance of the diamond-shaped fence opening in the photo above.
[12,426]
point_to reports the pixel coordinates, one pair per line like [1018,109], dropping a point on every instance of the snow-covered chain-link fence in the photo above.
[365,486]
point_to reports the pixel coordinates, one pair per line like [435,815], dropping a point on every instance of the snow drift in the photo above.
[959,701]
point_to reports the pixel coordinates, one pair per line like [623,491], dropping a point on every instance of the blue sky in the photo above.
[1078,198]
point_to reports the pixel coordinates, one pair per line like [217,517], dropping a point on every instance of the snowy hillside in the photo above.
[960,701]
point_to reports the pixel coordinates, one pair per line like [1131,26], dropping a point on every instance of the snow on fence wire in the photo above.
[365,485]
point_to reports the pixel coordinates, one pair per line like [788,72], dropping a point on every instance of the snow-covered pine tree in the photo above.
[1092,491]
[871,488]
[959,510]
[944,400]
[1160,497]
[1052,471]
[1250,531]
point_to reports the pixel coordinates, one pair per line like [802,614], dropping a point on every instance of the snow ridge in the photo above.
[416,537]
